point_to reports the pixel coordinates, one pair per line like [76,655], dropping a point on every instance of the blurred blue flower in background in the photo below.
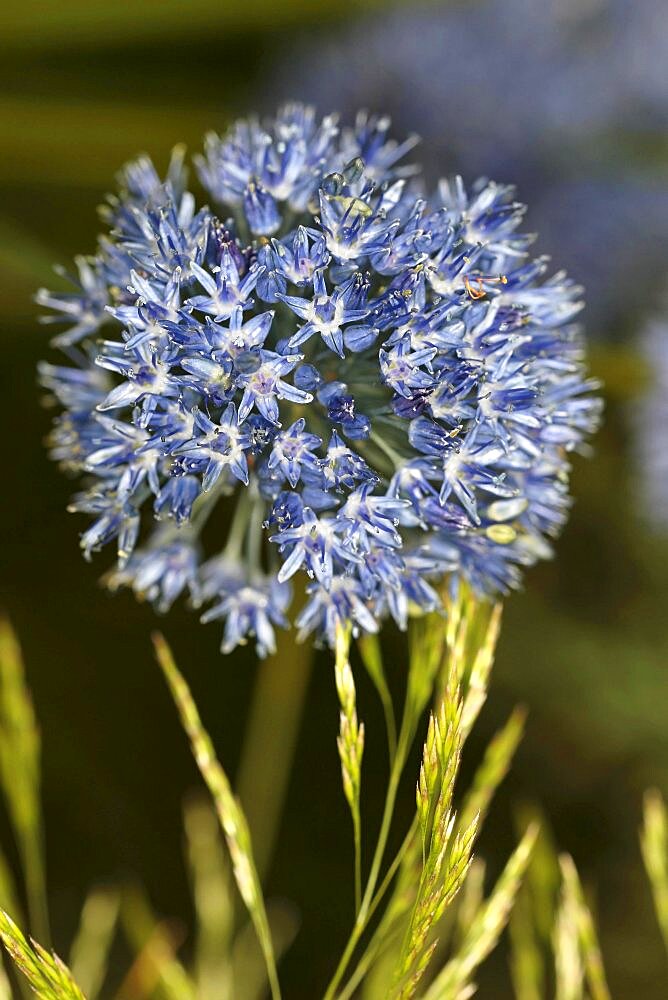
[541,94]
[649,419]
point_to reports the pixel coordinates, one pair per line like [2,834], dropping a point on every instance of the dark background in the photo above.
[570,101]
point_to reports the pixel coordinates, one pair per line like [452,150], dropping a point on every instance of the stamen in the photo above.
[480,292]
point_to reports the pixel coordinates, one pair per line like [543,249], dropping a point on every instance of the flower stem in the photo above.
[33,862]
[237,531]
[270,741]
[371,949]
[365,910]
[357,836]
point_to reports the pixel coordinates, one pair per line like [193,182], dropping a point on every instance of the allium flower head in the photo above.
[364,382]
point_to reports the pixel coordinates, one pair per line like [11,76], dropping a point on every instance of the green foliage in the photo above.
[48,976]
[493,769]
[552,915]
[84,22]
[434,925]
[20,773]
[450,660]
[654,844]
[89,956]
[455,980]
[213,897]
[573,902]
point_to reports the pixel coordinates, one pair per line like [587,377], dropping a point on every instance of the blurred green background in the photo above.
[85,86]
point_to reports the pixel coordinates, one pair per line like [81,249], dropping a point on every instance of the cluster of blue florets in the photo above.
[357,379]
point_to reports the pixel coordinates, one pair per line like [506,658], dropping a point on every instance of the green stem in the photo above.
[372,947]
[393,455]
[391,727]
[204,506]
[364,911]
[392,870]
[369,648]
[357,836]
[270,742]
[235,535]
[254,540]
[363,966]
[33,863]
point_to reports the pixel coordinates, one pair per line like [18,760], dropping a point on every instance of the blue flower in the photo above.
[84,310]
[342,468]
[217,447]
[293,449]
[381,389]
[162,572]
[116,518]
[295,260]
[314,544]
[343,603]
[342,409]
[400,368]
[326,314]
[226,289]
[372,518]
[264,386]
[252,609]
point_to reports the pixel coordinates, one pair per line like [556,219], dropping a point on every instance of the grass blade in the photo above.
[586,930]
[156,971]
[372,658]
[214,903]
[543,878]
[229,811]
[20,774]
[270,741]
[527,967]
[5,986]
[250,974]
[493,769]
[470,900]
[654,845]
[8,895]
[90,950]
[568,964]
[446,854]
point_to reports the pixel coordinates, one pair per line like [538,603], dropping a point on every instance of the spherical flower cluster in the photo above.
[331,372]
